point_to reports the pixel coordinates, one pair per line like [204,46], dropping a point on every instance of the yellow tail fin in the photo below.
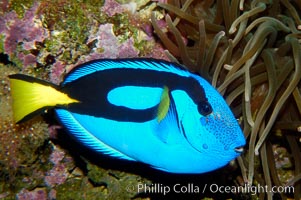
[31,95]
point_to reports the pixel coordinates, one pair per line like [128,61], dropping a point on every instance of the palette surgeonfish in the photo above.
[145,110]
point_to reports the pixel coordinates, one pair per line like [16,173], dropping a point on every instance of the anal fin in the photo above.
[87,138]
[168,118]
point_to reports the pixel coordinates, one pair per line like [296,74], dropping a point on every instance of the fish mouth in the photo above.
[239,149]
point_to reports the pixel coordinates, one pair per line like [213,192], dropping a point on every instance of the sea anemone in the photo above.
[250,51]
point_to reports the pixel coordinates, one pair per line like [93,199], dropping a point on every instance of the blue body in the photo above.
[184,141]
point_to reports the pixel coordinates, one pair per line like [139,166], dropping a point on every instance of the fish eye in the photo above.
[204,108]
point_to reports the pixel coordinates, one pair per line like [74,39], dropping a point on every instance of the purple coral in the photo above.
[28,59]
[127,50]
[158,53]
[57,175]
[53,133]
[52,194]
[57,156]
[108,46]
[57,70]
[26,31]
[36,194]
[109,42]
[111,7]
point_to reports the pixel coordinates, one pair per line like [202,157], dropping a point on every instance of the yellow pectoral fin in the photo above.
[164,104]
[29,97]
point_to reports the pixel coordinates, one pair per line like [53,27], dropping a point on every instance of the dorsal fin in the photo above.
[130,63]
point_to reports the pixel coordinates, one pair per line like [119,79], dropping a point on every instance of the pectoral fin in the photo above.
[164,104]
[167,118]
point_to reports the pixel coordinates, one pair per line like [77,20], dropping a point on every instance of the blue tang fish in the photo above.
[144,110]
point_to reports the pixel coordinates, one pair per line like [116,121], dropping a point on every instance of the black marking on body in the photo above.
[92,90]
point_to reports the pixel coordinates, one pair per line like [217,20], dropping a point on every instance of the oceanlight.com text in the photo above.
[190,188]
[253,189]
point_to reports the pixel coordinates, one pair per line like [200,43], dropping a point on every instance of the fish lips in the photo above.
[239,149]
